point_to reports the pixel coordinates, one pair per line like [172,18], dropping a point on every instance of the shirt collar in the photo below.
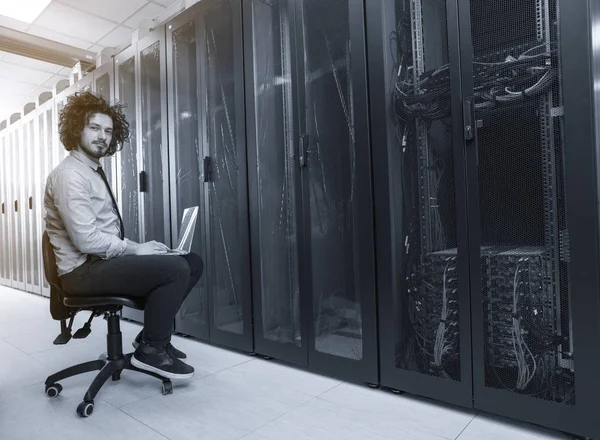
[85,160]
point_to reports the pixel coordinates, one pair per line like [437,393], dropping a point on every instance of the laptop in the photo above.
[186,232]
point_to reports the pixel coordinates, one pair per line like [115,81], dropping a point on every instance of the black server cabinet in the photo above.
[424,302]
[311,209]
[208,167]
[513,229]
[532,190]
[143,179]
[126,160]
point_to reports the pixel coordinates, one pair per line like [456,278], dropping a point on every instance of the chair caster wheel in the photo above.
[85,409]
[116,376]
[53,390]
[167,387]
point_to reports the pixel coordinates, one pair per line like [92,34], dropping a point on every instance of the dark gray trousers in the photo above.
[165,280]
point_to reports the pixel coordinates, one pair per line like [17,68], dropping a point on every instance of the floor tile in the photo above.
[223,406]
[284,376]
[407,411]
[489,427]
[321,420]
[29,414]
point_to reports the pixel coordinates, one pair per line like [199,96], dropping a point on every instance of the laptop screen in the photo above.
[186,231]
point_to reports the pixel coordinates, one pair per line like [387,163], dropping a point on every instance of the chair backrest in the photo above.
[57,309]
[50,268]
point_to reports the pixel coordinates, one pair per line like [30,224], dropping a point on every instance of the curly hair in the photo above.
[76,114]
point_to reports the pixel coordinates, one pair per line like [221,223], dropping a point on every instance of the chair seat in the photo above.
[98,301]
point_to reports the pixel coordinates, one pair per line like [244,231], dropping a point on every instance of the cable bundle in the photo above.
[496,83]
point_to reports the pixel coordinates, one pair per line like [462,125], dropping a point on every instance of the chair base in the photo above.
[109,364]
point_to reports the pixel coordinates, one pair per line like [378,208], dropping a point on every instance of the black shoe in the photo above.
[160,361]
[172,350]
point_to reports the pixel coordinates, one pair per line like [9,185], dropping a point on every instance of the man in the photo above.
[86,231]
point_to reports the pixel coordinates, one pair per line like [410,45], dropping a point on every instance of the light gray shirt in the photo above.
[80,217]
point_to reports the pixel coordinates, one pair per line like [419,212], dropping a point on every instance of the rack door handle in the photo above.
[207,169]
[143,182]
[468,118]
[2,207]
[30,202]
[16,206]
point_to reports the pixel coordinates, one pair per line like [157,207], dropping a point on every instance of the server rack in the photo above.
[45,145]
[141,78]
[548,298]
[208,167]
[31,242]
[127,160]
[513,94]
[5,248]
[314,287]
[16,218]
[424,310]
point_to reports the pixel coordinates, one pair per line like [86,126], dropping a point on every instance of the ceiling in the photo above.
[90,25]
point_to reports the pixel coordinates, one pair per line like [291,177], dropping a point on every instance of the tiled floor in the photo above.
[232,396]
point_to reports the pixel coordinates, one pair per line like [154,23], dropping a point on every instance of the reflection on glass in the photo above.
[128,156]
[103,88]
[275,166]
[188,157]
[220,123]
[153,200]
[332,178]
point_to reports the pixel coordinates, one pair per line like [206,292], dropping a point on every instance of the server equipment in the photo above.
[480,196]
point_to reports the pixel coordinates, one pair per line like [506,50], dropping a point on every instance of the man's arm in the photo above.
[72,200]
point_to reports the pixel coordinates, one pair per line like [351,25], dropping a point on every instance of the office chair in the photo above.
[111,363]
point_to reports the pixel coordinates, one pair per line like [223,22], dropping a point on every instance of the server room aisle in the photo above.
[232,396]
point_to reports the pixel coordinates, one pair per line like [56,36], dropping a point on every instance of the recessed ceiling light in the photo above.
[23,10]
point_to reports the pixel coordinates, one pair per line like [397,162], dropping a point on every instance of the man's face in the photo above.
[96,136]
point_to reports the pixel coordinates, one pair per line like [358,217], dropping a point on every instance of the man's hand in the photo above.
[151,248]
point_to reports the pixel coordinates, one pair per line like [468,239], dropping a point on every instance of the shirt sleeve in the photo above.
[72,200]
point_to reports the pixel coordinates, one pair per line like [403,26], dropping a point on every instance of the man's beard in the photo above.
[95,150]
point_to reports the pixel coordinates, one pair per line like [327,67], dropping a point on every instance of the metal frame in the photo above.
[381,15]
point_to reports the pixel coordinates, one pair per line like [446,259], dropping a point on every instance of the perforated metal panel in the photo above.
[525,266]
[420,158]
